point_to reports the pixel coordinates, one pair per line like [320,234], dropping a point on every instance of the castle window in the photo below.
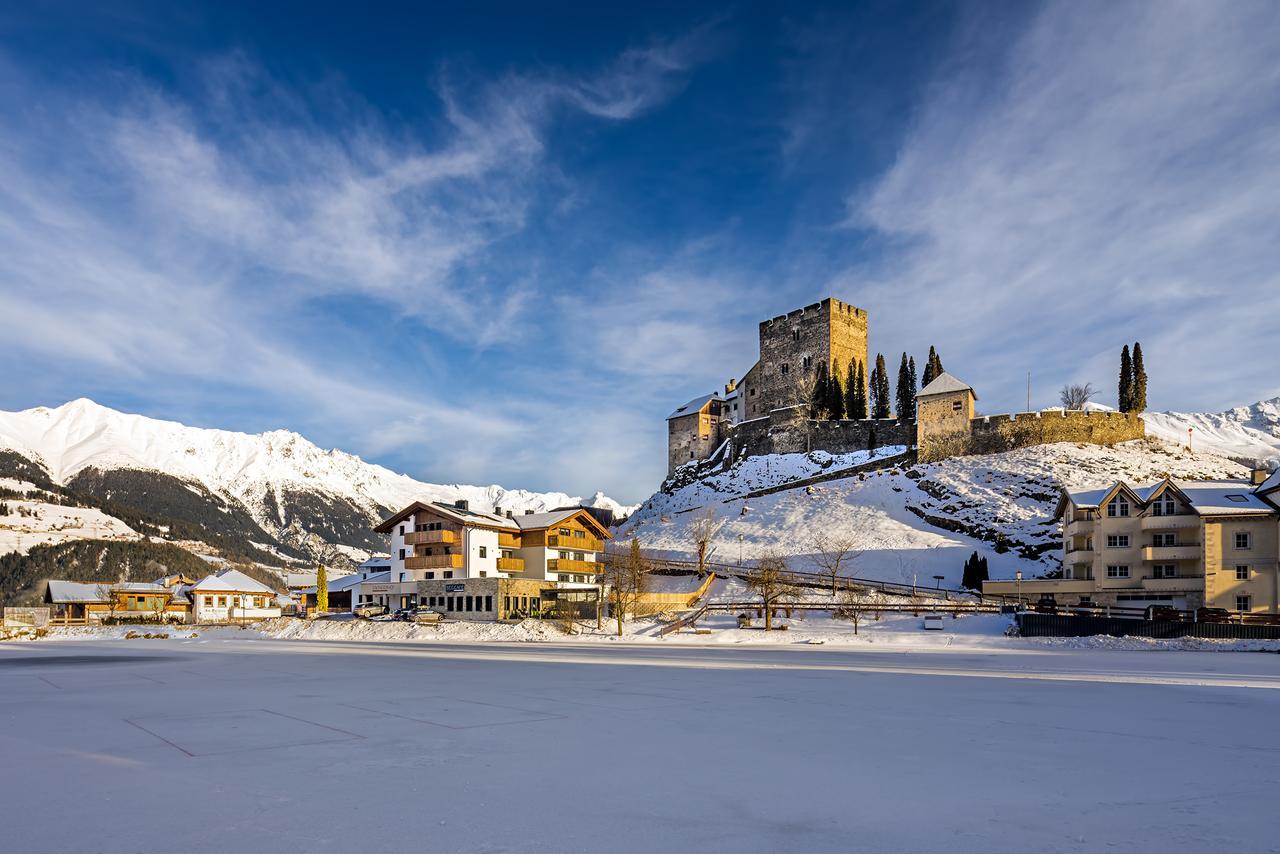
[956,406]
[807,362]
[795,334]
[784,367]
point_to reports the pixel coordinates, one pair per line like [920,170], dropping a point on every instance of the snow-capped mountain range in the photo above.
[292,490]
[1245,433]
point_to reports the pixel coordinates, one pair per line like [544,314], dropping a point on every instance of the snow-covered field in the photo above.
[35,523]
[915,523]
[232,741]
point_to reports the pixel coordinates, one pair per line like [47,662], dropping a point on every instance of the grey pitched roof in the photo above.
[695,405]
[1206,497]
[944,383]
[534,521]
[64,592]
[231,580]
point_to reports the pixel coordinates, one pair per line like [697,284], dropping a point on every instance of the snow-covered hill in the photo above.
[294,491]
[911,524]
[1246,432]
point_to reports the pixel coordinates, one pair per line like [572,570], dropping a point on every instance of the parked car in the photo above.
[1213,615]
[370,609]
[425,615]
[1162,612]
[1046,606]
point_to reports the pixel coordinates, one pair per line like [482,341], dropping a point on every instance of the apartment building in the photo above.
[432,542]
[1184,544]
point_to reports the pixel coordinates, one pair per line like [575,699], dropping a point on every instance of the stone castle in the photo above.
[768,411]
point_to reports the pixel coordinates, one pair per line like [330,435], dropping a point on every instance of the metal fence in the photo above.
[1052,626]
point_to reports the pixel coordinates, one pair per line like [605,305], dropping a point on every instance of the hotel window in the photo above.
[448,573]
[1164,507]
[581,535]
[1242,573]
[1163,570]
[430,575]
[1163,540]
[1118,541]
[564,532]
[1244,603]
[1114,571]
[402,554]
[1244,540]
[579,556]
[484,551]
[1118,507]
[208,601]
[484,574]
[402,530]
[222,601]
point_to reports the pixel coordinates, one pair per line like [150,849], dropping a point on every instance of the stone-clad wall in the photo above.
[792,431]
[996,433]
[793,345]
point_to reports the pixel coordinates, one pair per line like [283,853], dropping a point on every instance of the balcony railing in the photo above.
[1079,555]
[424,538]
[510,564]
[580,566]
[1169,523]
[582,544]
[1189,582]
[1182,551]
[433,562]
[508,541]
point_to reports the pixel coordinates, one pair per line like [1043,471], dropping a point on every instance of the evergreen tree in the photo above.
[322,589]
[906,395]
[1126,381]
[1138,393]
[851,391]
[859,394]
[821,393]
[932,367]
[975,572]
[835,394]
[880,399]
[913,383]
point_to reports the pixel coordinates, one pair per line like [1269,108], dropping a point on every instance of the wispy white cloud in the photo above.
[152,242]
[1112,179]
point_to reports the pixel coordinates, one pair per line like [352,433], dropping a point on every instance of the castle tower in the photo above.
[944,418]
[794,344]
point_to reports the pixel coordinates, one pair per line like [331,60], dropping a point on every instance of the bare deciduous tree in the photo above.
[769,581]
[852,606]
[1076,396]
[624,579]
[703,531]
[835,550]
[111,592]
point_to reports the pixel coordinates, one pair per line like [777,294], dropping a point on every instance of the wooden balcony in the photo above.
[589,567]
[1170,523]
[581,544]
[426,538]
[510,564]
[433,562]
[508,541]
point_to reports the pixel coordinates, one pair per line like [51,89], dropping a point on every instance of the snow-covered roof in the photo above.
[534,521]
[346,582]
[231,581]
[141,587]
[1271,484]
[375,562]
[1205,497]
[695,405]
[944,383]
[66,592]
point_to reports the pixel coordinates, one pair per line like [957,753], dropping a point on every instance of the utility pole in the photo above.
[1028,391]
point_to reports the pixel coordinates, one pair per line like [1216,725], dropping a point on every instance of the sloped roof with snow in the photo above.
[231,581]
[944,383]
[346,582]
[1205,497]
[1270,485]
[68,592]
[695,405]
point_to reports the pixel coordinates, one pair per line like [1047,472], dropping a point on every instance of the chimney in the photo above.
[528,512]
[1259,474]
[510,515]
[497,510]
[462,504]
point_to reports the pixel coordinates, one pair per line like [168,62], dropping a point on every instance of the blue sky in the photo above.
[499,244]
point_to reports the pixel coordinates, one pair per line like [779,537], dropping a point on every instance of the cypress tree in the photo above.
[914,385]
[860,394]
[937,363]
[932,367]
[1138,393]
[835,393]
[851,390]
[322,589]
[1126,381]
[880,401]
[906,395]
[821,393]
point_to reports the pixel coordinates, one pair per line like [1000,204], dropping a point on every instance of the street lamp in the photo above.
[1018,575]
[739,550]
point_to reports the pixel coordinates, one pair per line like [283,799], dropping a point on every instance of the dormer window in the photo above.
[1164,507]
[1118,507]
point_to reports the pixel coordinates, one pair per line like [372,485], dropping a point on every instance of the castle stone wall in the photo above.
[996,433]
[791,431]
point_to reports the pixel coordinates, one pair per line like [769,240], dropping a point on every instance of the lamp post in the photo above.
[1018,575]
[739,550]
[938,579]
